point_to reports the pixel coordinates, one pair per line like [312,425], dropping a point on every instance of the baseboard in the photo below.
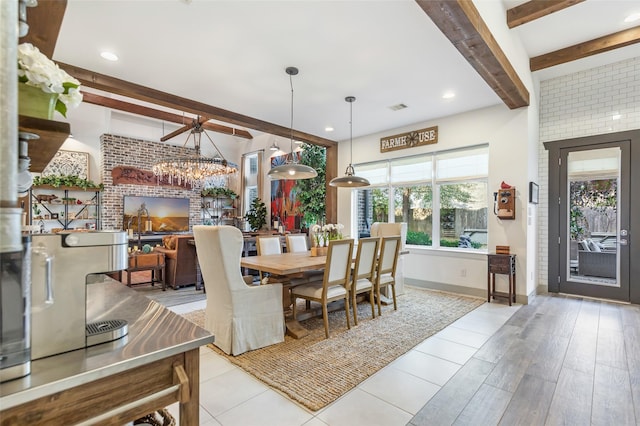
[475,292]
[432,285]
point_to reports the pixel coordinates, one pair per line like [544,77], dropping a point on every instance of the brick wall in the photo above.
[583,104]
[125,151]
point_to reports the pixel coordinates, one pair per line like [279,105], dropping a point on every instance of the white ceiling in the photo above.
[233,55]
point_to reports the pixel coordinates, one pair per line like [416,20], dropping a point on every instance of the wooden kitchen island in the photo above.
[113,383]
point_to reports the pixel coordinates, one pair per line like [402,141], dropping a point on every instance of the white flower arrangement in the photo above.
[35,69]
[323,234]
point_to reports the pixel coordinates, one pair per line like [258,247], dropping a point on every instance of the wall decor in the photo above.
[533,193]
[135,176]
[411,139]
[285,206]
[68,163]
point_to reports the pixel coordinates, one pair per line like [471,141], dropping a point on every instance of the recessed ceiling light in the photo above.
[397,107]
[109,56]
[328,129]
[632,18]
[448,95]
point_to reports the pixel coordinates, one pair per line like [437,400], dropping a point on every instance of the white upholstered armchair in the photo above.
[241,317]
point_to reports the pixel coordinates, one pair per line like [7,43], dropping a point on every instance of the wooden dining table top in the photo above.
[285,263]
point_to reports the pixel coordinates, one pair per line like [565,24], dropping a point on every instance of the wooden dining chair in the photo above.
[297,243]
[386,271]
[334,285]
[364,273]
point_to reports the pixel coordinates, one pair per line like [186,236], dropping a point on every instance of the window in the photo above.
[442,197]
[251,179]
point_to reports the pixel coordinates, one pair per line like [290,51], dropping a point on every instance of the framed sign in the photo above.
[533,193]
[68,163]
[409,139]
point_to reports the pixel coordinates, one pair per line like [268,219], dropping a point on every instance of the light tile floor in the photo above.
[229,396]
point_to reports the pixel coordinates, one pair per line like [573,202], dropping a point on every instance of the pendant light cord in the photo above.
[351,133]
[291,141]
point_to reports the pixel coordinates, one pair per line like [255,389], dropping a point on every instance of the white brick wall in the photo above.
[583,104]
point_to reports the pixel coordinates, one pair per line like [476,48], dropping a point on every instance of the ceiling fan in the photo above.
[196,126]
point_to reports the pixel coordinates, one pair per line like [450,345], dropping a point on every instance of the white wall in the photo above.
[507,133]
[583,104]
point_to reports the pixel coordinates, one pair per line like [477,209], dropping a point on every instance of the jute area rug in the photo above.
[315,371]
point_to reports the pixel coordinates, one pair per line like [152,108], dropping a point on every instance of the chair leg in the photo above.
[325,318]
[346,309]
[378,299]
[355,308]
[372,299]
[393,290]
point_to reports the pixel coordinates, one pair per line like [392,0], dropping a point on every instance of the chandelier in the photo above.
[194,169]
[292,169]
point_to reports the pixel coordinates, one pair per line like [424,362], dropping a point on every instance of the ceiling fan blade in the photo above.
[177,132]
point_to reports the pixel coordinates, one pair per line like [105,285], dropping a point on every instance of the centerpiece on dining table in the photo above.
[322,234]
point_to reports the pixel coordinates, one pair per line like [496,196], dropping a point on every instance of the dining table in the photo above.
[286,264]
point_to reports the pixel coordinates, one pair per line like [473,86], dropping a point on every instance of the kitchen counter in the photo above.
[156,364]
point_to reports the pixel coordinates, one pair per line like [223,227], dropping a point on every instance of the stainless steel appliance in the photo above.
[60,265]
[14,250]
[15,356]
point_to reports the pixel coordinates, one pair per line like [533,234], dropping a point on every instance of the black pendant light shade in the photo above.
[292,169]
[350,180]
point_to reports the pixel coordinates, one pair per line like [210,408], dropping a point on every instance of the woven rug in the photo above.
[315,371]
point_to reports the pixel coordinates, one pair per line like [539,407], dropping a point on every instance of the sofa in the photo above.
[180,259]
[596,261]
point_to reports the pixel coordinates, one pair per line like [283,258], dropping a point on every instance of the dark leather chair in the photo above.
[180,262]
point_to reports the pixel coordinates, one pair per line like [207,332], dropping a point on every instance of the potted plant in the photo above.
[257,214]
[40,76]
[218,192]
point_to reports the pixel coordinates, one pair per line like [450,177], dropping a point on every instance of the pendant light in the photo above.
[350,180]
[292,169]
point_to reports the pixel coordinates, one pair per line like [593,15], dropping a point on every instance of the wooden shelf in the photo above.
[52,136]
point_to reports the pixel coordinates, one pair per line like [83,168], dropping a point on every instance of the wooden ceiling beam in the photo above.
[588,48]
[461,23]
[44,21]
[104,101]
[146,94]
[535,9]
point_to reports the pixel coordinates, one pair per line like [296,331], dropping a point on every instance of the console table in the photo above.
[153,262]
[501,264]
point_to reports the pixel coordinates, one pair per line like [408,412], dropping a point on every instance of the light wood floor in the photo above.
[559,360]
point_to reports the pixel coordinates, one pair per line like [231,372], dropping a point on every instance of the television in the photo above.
[165,215]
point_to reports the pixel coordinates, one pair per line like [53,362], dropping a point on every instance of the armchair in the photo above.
[180,259]
[241,317]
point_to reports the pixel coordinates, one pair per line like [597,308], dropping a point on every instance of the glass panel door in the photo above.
[594,217]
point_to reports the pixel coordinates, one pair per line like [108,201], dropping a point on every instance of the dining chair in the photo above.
[296,243]
[266,246]
[242,317]
[364,273]
[335,282]
[386,271]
